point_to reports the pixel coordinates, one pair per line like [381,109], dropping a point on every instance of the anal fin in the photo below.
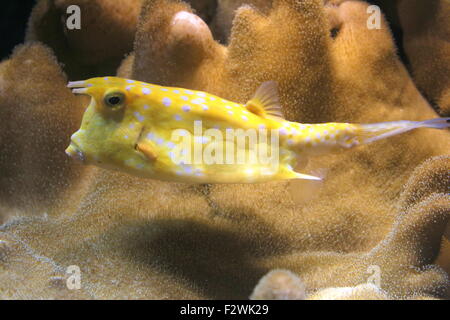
[289,173]
[306,176]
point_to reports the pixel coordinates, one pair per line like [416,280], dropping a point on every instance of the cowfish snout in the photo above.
[74,151]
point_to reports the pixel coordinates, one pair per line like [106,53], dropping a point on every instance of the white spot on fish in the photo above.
[184,98]
[170,145]
[204,107]
[128,88]
[228,107]
[188,91]
[131,126]
[159,141]
[164,89]
[201,94]
[212,98]
[130,81]
[283,131]
[186,108]
[290,142]
[188,169]
[198,101]
[177,117]
[126,136]
[261,126]
[244,118]
[146,106]
[176,91]
[140,166]
[146,91]
[106,78]
[150,136]
[198,173]
[167,102]
[139,116]
[230,112]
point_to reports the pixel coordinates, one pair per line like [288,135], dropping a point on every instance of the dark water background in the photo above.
[13,22]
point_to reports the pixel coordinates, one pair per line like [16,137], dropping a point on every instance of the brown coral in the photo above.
[142,239]
[226,10]
[38,115]
[404,259]
[279,285]
[426,27]
[106,33]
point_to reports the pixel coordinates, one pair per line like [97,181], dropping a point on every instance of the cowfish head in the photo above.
[109,128]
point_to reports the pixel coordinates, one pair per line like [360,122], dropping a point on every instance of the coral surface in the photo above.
[106,33]
[382,210]
[426,28]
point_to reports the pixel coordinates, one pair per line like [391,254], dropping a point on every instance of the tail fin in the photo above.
[438,123]
[377,131]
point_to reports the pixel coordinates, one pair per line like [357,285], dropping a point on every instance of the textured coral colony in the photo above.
[376,228]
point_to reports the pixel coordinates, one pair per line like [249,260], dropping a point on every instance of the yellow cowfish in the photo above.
[182,135]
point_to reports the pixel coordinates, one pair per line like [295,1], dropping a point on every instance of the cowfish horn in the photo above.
[79,86]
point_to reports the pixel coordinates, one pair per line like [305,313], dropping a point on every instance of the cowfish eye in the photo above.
[114,100]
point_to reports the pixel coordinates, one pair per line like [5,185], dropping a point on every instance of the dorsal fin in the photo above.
[265,102]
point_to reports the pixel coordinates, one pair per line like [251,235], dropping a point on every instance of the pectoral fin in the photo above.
[148,150]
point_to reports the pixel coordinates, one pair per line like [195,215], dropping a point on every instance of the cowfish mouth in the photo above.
[75,153]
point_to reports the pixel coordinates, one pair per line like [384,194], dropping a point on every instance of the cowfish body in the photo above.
[182,135]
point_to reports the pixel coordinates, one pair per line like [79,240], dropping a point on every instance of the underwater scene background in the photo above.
[377,227]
